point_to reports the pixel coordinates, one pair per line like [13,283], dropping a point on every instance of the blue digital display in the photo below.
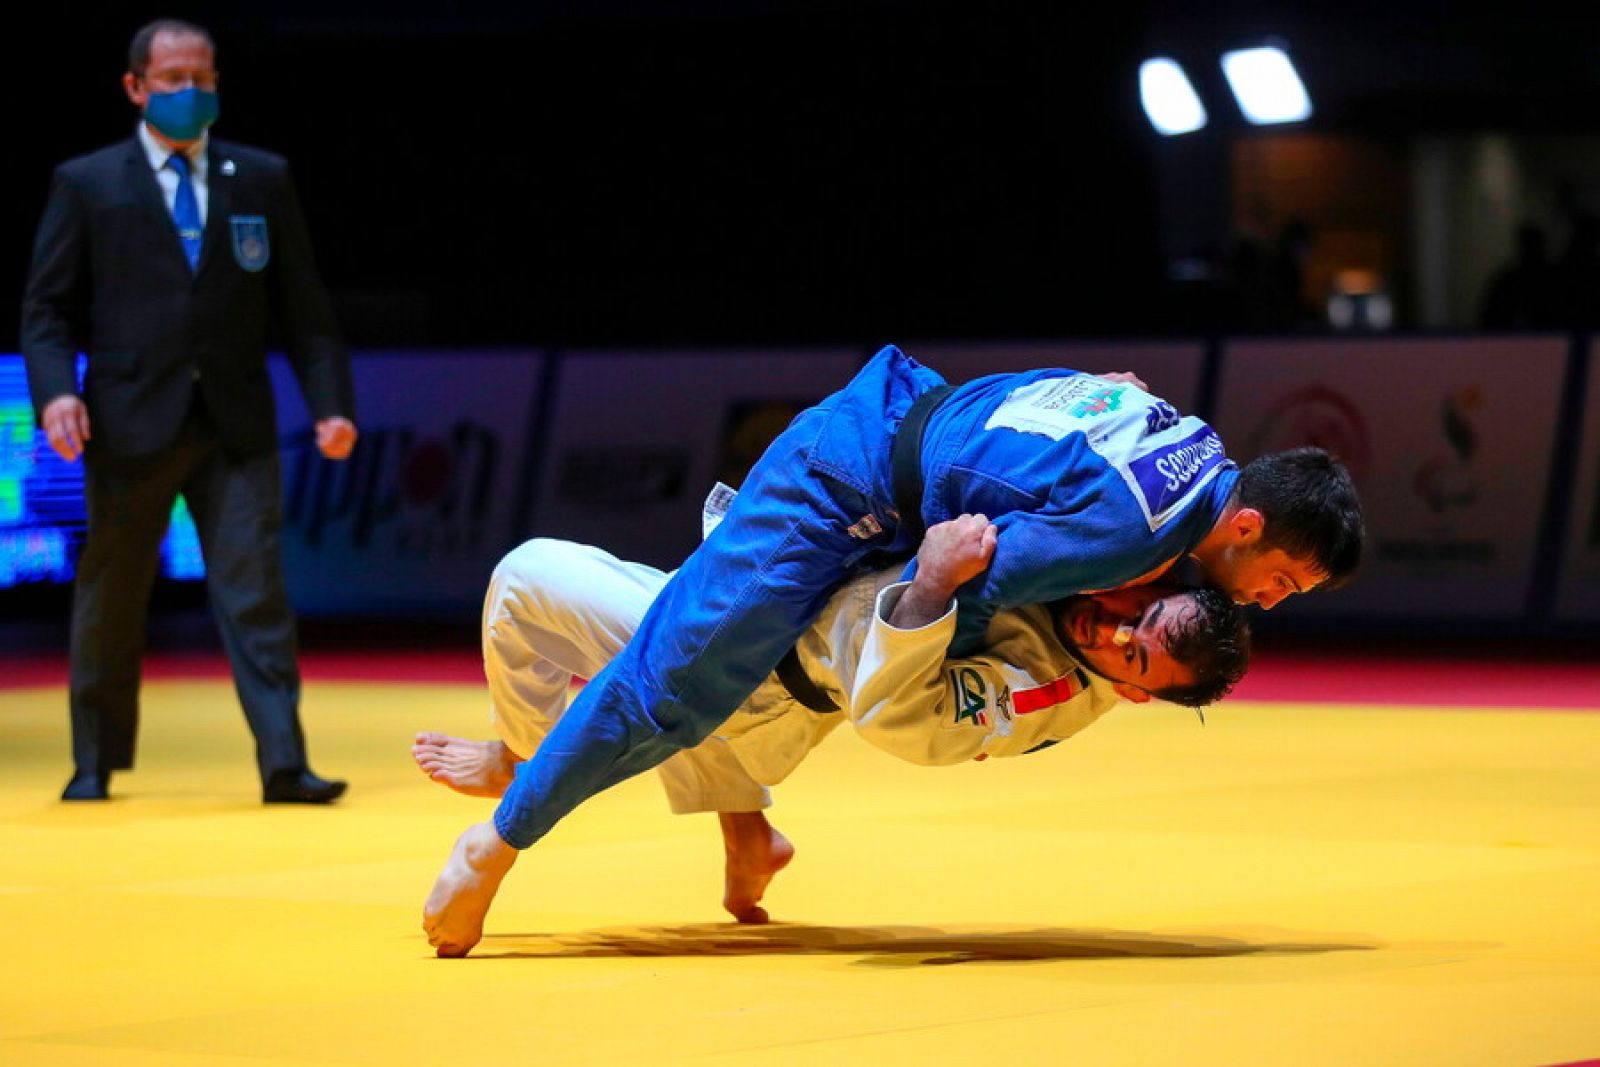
[41,500]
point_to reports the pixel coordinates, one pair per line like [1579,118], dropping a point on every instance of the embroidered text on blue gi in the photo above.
[1184,463]
[1160,416]
[1166,477]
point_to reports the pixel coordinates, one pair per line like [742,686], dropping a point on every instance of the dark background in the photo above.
[765,171]
[686,173]
[724,172]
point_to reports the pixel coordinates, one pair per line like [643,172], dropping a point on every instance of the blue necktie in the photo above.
[186,209]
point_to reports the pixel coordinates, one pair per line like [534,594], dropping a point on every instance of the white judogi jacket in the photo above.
[1023,693]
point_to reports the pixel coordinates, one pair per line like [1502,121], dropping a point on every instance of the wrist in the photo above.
[919,605]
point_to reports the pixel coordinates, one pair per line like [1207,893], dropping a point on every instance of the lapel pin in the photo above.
[228,168]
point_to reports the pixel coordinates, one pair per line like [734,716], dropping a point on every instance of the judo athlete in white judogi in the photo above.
[557,610]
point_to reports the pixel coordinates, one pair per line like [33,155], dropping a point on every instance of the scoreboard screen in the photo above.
[41,500]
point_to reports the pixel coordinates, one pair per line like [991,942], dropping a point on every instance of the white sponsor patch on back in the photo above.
[1055,407]
[1164,459]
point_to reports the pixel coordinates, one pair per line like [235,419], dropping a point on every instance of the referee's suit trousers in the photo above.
[237,507]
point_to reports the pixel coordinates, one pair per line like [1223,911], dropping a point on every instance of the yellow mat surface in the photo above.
[1291,884]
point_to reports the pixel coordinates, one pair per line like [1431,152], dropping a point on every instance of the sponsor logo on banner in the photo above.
[400,490]
[1319,416]
[1447,486]
[1445,480]
[612,478]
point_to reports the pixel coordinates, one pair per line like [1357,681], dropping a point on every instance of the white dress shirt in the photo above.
[158,154]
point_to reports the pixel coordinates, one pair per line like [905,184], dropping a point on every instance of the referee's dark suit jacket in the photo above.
[109,279]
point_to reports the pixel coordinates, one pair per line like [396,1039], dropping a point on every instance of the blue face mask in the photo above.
[183,115]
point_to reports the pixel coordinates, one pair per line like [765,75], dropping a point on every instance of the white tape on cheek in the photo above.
[1123,635]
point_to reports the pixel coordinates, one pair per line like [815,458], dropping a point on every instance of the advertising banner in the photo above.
[416,519]
[1578,592]
[1172,370]
[637,439]
[1450,441]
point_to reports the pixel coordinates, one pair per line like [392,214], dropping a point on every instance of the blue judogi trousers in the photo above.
[736,606]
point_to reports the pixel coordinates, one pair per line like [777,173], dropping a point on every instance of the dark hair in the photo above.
[145,39]
[1213,641]
[1310,507]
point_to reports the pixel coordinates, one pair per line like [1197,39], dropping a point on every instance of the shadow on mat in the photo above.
[895,945]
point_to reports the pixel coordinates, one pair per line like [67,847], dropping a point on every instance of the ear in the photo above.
[1131,693]
[1247,525]
[136,92]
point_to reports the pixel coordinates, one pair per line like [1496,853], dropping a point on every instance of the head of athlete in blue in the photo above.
[1292,524]
[1189,646]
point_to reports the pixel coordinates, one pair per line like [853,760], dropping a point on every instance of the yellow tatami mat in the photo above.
[1291,884]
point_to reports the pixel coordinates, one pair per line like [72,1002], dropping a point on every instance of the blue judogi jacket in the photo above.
[1092,484]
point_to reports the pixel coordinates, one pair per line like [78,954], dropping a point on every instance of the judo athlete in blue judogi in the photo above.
[1092,483]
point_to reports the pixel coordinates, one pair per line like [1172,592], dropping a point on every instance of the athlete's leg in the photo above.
[554,611]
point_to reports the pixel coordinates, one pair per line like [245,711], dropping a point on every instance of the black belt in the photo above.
[800,685]
[905,472]
[905,461]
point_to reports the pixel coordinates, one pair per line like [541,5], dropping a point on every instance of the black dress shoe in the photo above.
[300,787]
[88,785]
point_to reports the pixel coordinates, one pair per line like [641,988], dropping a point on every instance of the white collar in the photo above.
[158,153]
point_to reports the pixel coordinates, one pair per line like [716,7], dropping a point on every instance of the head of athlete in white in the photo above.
[1189,646]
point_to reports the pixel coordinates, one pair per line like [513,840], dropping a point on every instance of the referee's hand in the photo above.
[66,424]
[336,436]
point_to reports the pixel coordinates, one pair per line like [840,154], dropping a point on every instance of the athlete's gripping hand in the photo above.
[956,551]
[952,554]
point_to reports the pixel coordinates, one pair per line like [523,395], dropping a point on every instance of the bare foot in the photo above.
[475,768]
[755,852]
[453,916]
